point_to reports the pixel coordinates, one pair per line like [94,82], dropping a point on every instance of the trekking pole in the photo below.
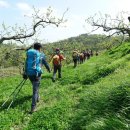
[15,95]
[13,92]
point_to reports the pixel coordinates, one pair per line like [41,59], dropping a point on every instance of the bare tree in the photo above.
[39,19]
[111,26]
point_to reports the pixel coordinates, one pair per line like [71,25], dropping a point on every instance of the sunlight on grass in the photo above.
[93,96]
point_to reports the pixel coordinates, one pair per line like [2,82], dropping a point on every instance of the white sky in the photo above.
[13,11]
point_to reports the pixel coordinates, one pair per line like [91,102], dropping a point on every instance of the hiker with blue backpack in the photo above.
[35,59]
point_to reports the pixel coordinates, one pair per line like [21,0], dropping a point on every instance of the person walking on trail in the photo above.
[75,57]
[35,59]
[91,53]
[96,53]
[85,55]
[88,54]
[56,61]
[78,57]
[81,57]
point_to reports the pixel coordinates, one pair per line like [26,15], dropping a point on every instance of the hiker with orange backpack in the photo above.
[56,61]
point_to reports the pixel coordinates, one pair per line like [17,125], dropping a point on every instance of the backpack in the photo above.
[33,62]
[56,60]
[81,55]
[75,55]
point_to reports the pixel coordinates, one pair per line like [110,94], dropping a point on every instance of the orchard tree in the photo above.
[39,21]
[120,25]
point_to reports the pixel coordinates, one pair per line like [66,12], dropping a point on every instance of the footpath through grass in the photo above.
[93,96]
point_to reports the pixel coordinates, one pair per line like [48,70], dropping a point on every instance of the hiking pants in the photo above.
[75,62]
[57,68]
[81,60]
[35,84]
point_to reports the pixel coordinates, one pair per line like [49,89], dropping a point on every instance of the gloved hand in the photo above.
[25,76]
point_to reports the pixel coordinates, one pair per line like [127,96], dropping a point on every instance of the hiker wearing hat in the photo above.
[56,61]
[35,59]
[75,57]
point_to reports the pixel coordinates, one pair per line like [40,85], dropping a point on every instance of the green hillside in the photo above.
[84,41]
[93,96]
[11,55]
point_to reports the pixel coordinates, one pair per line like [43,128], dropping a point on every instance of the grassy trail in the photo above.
[93,96]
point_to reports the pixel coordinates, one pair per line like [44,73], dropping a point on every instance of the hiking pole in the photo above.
[15,95]
[13,92]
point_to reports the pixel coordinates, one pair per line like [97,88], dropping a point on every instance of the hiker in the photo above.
[91,53]
[35,59]
[78,57]
[96,53]
[88,54]
[56,61]
[75,57]
[81,57]
[85,55]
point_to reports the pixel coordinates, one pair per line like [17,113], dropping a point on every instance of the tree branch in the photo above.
[42,21]
[109,25]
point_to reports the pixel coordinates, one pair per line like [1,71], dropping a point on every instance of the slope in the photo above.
[93,96]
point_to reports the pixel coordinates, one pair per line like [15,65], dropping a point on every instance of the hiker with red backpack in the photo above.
[33,71]
[56,61]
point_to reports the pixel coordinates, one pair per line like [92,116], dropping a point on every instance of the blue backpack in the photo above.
[33,62]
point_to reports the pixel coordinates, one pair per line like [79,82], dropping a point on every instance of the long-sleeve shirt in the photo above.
[44,62]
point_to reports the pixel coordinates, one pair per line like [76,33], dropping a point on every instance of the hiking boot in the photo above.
[32,111]
[59,77]
[38,99]
[53,80]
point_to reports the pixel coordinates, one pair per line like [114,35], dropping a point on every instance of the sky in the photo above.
[13,12]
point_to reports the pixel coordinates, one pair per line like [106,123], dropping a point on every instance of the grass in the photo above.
[93,96]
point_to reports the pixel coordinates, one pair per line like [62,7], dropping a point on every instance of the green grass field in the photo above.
[93,96]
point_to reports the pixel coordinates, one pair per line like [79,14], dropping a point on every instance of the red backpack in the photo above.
[56,60]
